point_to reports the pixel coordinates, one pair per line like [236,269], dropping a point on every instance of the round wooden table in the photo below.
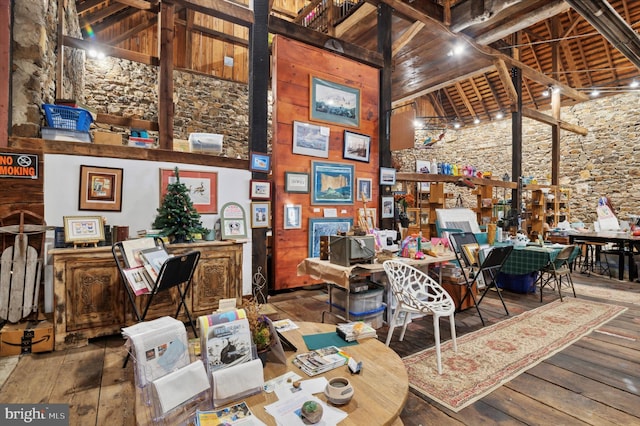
[381,388]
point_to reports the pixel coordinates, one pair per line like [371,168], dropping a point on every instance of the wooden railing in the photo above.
[324,15]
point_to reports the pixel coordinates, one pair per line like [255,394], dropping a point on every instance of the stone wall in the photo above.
[34,63]
[603,163]
[202,103]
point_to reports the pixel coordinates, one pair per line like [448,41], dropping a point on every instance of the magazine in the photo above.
[131,250]
[138,280]
[234,415]
[225,339]
[155,257]
[321,360]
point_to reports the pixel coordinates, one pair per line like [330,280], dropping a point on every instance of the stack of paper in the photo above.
[355,330]
[321,360]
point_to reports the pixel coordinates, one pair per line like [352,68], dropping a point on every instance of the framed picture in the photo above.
[310,139]
[233,221]
[364,189]
[260,214]
[260,189]
[296,182]
[334,103]
[356,146]
[332,183]
[100,189]
[387,207]
[203,187]
[413,214]
[368,216]
[325,226]
[292,216]
[260,162]
[387,176]
[83,229]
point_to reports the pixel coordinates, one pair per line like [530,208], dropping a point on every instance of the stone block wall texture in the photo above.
[605,162]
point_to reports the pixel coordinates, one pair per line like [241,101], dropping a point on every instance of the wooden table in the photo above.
[381,389]
[625,240]
[342,276]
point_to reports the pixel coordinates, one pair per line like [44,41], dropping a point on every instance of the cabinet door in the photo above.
[218,276]
[95,297]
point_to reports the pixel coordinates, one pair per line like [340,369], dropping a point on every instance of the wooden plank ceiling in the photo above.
[573,45]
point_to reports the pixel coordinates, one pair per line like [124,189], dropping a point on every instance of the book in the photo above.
[138,279]
[236,414]
[131,250]
[321,360]
[155,257]
[355,330]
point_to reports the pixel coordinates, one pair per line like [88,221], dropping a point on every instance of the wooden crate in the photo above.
[457,291]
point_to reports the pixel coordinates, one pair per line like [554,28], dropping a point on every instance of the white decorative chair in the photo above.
[416,293]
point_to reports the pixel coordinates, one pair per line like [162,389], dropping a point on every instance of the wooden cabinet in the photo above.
[545,203]
[90,300]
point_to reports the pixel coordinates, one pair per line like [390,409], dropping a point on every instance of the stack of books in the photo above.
[321,360]
[355,330]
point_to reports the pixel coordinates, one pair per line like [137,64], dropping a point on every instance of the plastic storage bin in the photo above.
[374,317]
[517,283]
[64,117]
[362,302]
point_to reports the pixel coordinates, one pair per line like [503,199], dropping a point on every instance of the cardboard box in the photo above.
[182,145]
[106,138]
[26,337]
[142,142]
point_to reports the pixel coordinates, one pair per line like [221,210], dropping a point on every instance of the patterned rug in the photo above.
[493,355]
[607,293]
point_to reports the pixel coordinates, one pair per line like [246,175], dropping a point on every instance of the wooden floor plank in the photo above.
[32,380]
[117,387]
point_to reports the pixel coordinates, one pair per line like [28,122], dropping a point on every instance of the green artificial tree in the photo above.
[177,217]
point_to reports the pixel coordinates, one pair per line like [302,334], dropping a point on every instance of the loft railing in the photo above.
[324,15]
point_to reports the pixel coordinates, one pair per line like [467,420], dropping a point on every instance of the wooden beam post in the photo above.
[5,71]
[384,133]
[165,75]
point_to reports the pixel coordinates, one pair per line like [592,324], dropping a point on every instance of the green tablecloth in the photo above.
[530,259]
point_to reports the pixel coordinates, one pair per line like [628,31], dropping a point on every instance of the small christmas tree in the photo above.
[176,216]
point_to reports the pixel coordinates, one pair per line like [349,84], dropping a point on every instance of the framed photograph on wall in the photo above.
[334,103]
[388,204]
[233,221]
[203,187]
[100,189]
[292,216]
[310,139]
[387,176]
[364,189]
[325,226]
[296,182]
[260,162]
[83,229]
[260,214]
[332,183]
[260,189]
[356,146]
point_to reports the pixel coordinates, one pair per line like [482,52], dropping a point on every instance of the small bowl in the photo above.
[339,391]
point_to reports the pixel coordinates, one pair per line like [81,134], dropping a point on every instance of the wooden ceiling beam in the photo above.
[138,4]
[479,97]
[452,103]
[354,18]
[494,92]
[470,12]
[115,19]
[108,50]
[437,106]
[218,35]
[406,37]
[224,10]
[81,8]
[103,13]
[148,23]
[547,11]
[547,119]
[465,100]
[507,83]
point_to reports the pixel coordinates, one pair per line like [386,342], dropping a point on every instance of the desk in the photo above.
[626,241]
[381,389]
[341,276]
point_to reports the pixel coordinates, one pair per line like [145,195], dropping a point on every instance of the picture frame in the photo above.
[260,189]
[332,183]
[260,162]
[292,216]
[296,182]
[388,207]
[364,187]
[413,214]
[325,226]
[202,185]
[233,221]
[310,139]
[260,214]
[368,216]
[83,229]
[356,146]
[387,176]
[100,188]
[323,107]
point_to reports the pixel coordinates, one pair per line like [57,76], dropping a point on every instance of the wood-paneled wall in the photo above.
[23,193]
[294,63]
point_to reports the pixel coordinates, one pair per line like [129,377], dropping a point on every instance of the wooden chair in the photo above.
[553,274]
[486,271]
[416,293]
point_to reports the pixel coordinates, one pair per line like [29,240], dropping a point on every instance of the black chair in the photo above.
[176,271]
[487,269]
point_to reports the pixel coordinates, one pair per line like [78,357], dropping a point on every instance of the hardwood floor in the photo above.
[595,381]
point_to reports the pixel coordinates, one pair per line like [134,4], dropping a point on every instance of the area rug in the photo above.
[493,355]
[607,294]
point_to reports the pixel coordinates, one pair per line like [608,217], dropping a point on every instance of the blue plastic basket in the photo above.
[64,117]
